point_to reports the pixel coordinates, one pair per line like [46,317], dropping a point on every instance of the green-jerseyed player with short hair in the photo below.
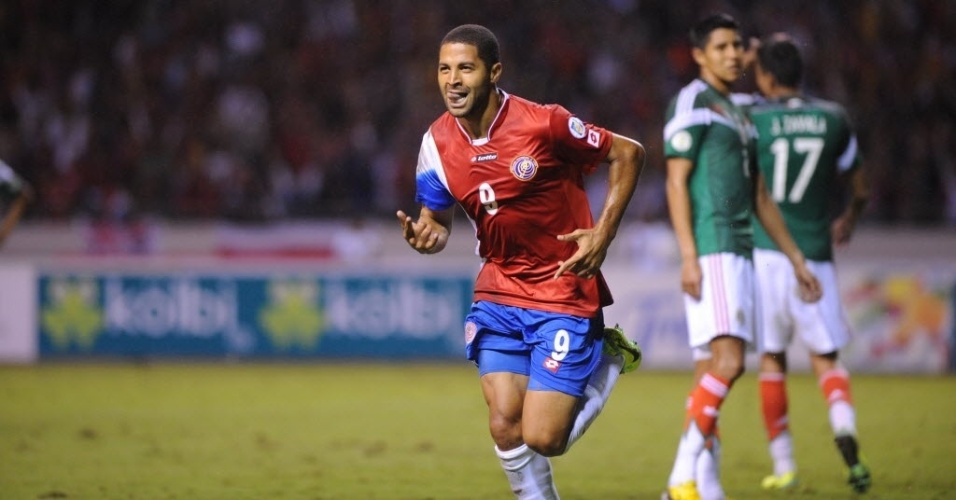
[713,190]
[804,146]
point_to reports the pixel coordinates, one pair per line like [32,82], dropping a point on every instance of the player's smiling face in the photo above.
[465,80]
[721,60]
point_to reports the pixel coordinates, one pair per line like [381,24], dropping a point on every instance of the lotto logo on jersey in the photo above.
[552,365]
[594,138]
[524,167]
[484,157]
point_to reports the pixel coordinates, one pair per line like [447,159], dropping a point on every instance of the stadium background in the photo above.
[217,178]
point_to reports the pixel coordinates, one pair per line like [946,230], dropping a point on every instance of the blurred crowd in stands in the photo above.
[260,110]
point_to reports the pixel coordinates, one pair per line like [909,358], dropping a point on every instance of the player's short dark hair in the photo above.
[480,37]
[700,32]
[779,56]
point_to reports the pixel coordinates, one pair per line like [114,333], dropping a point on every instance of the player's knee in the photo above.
[548,445]
[728,368]
[505,431]
[774,362]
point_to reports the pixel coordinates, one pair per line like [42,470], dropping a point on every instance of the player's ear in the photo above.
[698,54]
[495,72]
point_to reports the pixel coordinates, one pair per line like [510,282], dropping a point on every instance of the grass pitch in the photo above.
[407,431]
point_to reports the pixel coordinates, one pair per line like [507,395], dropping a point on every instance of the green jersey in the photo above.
[10,185]
[707,128]
[803,144]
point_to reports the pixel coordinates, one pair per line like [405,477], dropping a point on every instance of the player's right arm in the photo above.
[679,206]
[626,157]
[768,213]
[428,234]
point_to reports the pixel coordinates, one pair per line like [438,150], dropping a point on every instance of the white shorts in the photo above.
[821,325]
[726,305]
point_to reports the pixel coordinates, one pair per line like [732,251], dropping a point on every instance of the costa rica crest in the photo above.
[524,168]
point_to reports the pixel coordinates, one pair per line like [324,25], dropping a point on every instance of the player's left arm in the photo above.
[768,213]
[626,158]
[843,226]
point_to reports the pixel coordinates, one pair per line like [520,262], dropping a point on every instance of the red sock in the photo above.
[836,386]
[773,401]
[705,403]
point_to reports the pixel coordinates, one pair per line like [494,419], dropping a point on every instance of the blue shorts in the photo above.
[558,352]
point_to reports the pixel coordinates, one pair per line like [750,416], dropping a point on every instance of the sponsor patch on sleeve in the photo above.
[576,126]
[682,141]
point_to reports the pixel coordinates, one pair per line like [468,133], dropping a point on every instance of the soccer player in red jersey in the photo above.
[536,331]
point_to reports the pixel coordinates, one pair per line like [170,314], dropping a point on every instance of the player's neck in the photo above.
[721,86]
[478,125]
[781,93]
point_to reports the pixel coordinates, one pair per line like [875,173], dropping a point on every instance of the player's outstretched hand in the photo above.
[424,235]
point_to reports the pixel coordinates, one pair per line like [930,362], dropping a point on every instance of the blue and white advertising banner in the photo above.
[901,316]
[211,315]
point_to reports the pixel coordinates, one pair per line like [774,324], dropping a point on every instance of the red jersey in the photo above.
[522,186]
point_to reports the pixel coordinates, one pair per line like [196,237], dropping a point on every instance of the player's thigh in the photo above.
[504,392]
[495,343]
[565,351]
[726,305]
[519,349]
[822,325]
[776,289]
